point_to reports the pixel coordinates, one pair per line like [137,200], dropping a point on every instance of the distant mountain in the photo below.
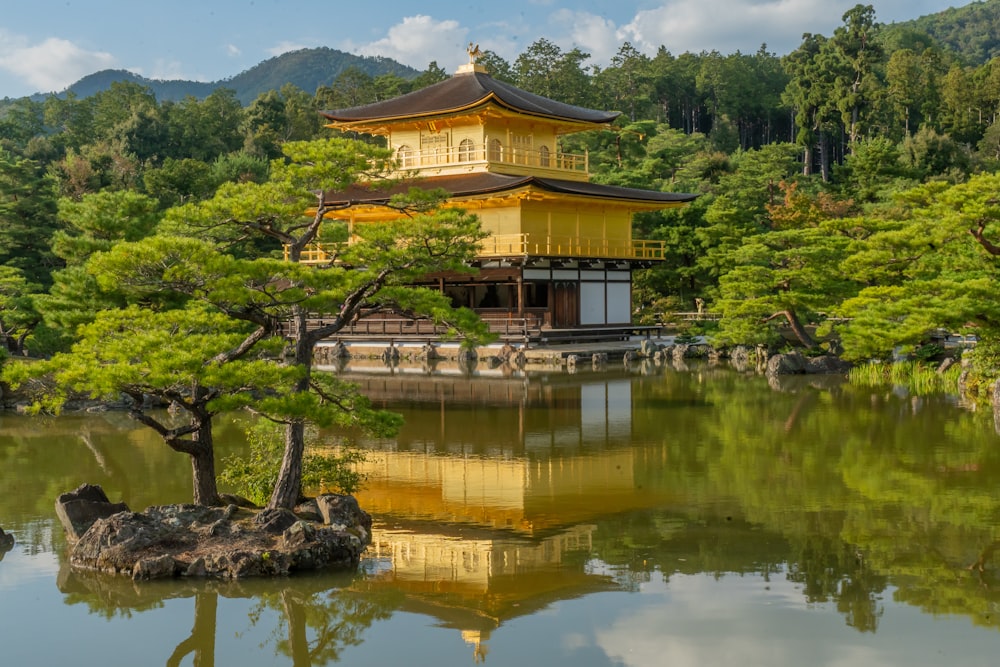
[164,90]
[307,69]
[972,31]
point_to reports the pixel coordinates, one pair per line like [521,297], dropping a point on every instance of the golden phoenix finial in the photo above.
[474,53]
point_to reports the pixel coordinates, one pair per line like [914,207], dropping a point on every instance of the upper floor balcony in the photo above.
[493,156]
[570,247]
[502,246]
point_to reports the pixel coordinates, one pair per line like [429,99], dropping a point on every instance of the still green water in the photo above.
[648,516]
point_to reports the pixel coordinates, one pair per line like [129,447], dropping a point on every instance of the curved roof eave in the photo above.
[471,185]
[462,92]
[484,102]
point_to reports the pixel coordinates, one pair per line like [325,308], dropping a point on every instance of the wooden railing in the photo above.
[510,325]
[532,245]
[314,253]
[462,155]
[400,329]
[523,245]
[507,327]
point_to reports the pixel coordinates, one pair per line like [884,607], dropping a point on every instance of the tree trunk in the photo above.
[289,484]
[206,491]
[800,331]
[824,157]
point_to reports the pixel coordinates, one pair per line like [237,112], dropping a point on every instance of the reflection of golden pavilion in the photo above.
[486,502]
[474,582]
[506,455]
[517,494]
[469,565]
[477,638]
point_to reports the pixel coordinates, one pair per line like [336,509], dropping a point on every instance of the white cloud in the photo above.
[420,39]
[593,34]
[726,26]
[743,25]
[690,622]
[51,65]
[233,50]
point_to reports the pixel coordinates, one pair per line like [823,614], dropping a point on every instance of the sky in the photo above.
[46,45]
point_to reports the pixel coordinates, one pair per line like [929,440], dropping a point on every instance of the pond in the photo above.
[632,516]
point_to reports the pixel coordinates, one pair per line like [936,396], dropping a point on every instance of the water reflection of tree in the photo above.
[830,570]
[202,639]
[901,495]
[317,616]
[853,490]
[644,543]
[319,624]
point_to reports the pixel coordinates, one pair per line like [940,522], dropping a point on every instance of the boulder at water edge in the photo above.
[794,363]
[223,542]
[80,508]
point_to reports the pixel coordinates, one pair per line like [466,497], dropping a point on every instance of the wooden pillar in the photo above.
[551,308]
[520,294]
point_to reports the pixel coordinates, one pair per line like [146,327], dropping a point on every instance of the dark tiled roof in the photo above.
[466,90]
[466,185]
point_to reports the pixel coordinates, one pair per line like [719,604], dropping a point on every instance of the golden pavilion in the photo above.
[560,253]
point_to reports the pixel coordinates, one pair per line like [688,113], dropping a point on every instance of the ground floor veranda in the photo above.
[531,301]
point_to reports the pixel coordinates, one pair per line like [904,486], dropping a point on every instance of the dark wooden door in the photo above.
[566,309]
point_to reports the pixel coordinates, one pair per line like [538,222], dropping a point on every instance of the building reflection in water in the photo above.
[474,583]
[484,503]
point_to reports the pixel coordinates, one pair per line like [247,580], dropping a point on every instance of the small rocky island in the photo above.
[231,542]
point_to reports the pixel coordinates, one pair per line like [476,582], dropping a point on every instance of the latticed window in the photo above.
[494,150]
[543,156]
[522,147]
[406,157]
[466,150]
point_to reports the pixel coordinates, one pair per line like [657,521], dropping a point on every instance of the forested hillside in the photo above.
[971,31]
[850,184]
[306,69]
[164,90]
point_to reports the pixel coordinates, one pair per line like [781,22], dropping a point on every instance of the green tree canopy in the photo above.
[933,267]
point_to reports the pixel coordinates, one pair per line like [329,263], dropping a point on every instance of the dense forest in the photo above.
[848,187]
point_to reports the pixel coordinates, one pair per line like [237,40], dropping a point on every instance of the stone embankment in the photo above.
[573,356]
[231,542]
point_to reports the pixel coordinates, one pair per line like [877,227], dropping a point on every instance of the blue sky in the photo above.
[45,45]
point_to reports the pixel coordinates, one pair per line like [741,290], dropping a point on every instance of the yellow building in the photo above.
[560,252]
